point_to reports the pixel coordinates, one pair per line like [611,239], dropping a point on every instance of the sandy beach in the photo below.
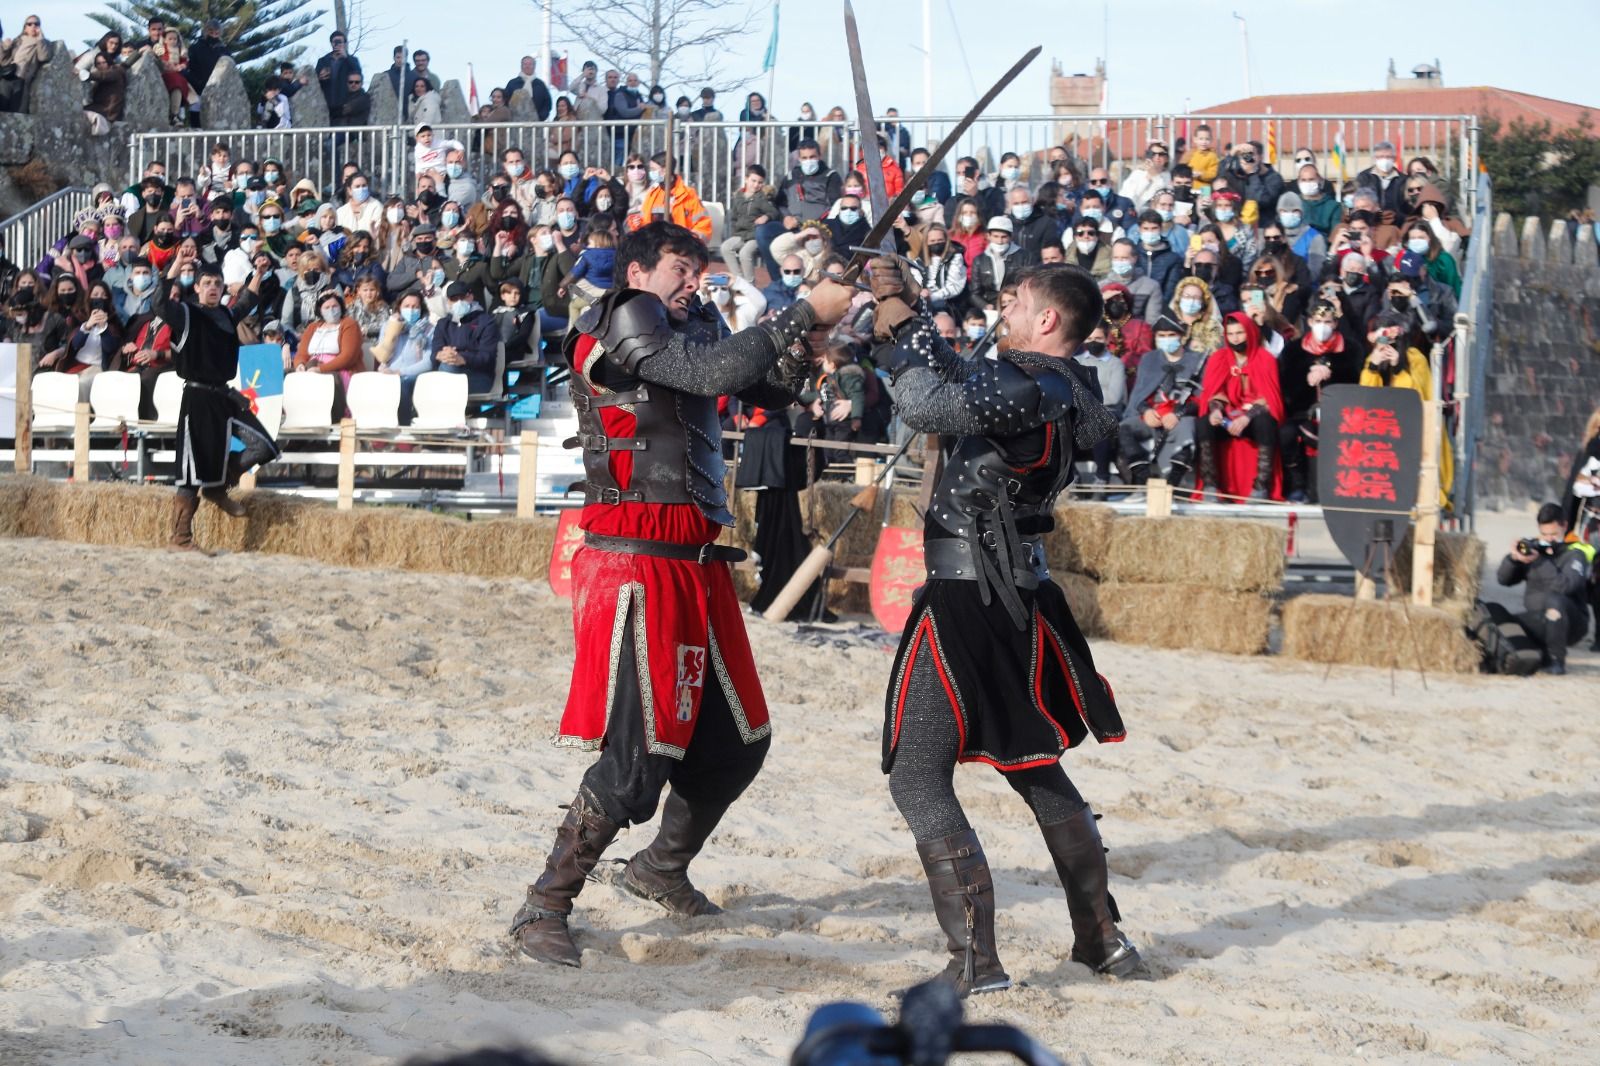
[255,810]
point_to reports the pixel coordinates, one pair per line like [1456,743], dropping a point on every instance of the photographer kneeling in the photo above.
[1557,572]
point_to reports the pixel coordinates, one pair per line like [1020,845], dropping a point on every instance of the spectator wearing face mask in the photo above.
[1157,259]
[1089,251]
[1275,246]
[1366,210]
[313,279]
[1120,213]
[1304,239]
[813,244]
[459,185]
[1428,306]
[1360,292]
[1425,205]
[944,270]
[1164,204]
[405,348]
[1097,357]
[1092,211]
[681,204]
[1194,307]
[849,224]
[1325,354]
[784,289]
[1253,179]
[331,345]
[1031,228]
[966,231]
[937,188]
[361,211]
[1392,362]
[1421,240]
[1384,180]
[467,265]
[1242,409]
[993,268]
[970,185]
[1148,300]
[467,342]
[1128,336]
[1238,236]
[1322,209]
[1157,431]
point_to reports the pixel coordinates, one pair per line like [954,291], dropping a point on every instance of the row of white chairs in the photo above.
[439,399]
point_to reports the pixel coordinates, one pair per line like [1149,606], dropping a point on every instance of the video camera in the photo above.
[929,1031]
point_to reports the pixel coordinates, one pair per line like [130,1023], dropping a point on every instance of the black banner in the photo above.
[1369,456]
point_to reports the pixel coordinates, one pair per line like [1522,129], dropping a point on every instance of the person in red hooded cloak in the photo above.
[1242,407]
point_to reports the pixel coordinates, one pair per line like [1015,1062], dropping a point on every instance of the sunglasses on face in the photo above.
[1304,160]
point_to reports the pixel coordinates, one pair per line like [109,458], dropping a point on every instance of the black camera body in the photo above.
[1528,546]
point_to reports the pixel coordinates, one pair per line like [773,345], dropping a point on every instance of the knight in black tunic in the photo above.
[992,668]
[205,353]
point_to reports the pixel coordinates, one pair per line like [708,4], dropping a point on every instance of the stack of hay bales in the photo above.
[1204,583]
[1379,633]
[117,513]
[1458,560]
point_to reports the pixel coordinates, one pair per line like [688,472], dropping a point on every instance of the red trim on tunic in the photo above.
[1044,456]
[1066,672]
[924,636]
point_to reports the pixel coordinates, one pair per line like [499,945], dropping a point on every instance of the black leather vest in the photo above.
[677,439]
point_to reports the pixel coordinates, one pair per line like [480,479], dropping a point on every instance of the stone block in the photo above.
[145,106]
[1584,251]
[308,108]
[384,105]
[1533,244]
[1505,236]
[224,105]
[454,104]
[521,105]
[16,138]
[1558,248]
[58,96]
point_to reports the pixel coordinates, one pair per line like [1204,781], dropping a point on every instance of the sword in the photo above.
[885,221]
[871,155]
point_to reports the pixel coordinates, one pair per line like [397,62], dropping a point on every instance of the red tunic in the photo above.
[688,627]
[1241,388]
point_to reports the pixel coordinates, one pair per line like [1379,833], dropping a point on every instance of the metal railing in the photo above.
[27,237]
[1474,344]
[714,154]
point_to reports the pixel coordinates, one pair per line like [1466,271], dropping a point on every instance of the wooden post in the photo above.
[347,464]
[247,481]
[24,433]
[1157,498]
[1427,493]
[527,473]
[80,443]
[866,469]
[1366,588]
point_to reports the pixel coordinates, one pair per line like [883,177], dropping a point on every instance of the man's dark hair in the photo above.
[660,160]
[423,52]
[1072,293]
[647,244]
[1148,215]
[757,169]
[1183,170]
[336,35]
[1095,196]
[1552,512]
[808,142]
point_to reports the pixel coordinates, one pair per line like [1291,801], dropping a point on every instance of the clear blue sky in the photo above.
[1544,47]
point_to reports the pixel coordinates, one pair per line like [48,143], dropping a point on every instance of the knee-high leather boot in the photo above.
[963,900]
[540,926]
[1081,865]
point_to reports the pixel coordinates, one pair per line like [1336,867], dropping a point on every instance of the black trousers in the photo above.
[627,780]
[1556,634]
[1263,429]
[1299,468]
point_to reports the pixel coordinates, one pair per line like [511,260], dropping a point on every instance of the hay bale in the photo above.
[903,513]
[1083,597]
[1082,535]
[1217,553]
[1457,569]
[1320,629]
[1186,616]
[19,495]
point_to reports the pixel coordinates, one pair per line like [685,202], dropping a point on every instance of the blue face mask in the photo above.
[1093,212]
[410,315]
[1121,267]
[186,280]
[1224,214]
[455,170]
[566,219]
[438,278]
[569,170]
[1148,237]
[258,197]
[450,218]
[1169,345]
[360,193]
[1166,216]
[1289,219]
[272,225]
[1418,245]
[792,281]
[459,309]
[849,216]
[140,282]
[1349,203]
[1189,306]
[1022,212]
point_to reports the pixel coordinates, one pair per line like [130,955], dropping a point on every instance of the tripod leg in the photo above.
[1365,573]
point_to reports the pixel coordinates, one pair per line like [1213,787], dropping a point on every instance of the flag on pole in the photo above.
[1337,158]
[1272,144]
[558,72]
[472,90]
[771,59]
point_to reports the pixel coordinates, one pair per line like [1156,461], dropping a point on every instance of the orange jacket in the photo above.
[687,210]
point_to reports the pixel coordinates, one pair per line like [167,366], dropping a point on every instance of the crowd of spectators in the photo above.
[1217,264]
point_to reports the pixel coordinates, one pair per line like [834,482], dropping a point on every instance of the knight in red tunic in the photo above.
[664,684]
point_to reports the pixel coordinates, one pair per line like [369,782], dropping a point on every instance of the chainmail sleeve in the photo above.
[694,363]
[937,391]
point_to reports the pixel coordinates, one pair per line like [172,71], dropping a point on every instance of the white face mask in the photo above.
[331,314]
[1085,247]
[1309,189]
[1384,164]
[998,248]
[814,247]
[602,203]
[465,248]
[545,242]
[394,214]
[720,297]
[1322,331]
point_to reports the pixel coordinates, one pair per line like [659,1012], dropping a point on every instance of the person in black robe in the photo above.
[205,353]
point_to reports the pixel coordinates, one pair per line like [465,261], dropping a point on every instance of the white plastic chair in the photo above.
[307,401]
[168,397]
[440,400]
[55,401]
[374,400]
[718,219]
[114,397]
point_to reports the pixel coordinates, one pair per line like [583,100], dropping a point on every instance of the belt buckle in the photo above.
[589,440]
[704,556]
[610,495]
[988,539]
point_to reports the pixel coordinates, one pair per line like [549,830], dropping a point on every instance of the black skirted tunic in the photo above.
[205,353]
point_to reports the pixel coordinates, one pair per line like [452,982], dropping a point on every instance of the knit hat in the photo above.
[1290,201]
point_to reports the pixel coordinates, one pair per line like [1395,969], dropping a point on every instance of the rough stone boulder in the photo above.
[308,108]
[224,105]
[58,96]
[145,106]
[384,104]
[454,109]
[522,109]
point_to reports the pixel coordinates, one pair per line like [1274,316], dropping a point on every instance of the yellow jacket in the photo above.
[1418,376]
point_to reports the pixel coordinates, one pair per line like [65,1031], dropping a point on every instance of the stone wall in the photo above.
[1544,371]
